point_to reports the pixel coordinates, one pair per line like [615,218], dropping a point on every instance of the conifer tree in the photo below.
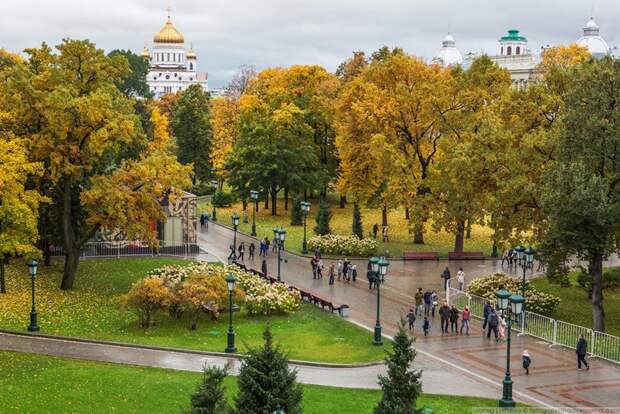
[210,396]
[266,383]
[357,227]
[402,386]
[297,215]
[323,218]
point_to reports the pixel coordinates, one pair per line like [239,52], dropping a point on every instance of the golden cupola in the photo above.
[168,34]
[190,53]
[145,53]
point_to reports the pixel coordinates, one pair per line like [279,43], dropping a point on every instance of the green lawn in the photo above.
[575,306]
[91,311]
[42,384]
[401,239]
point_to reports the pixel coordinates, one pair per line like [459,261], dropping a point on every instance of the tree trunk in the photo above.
[305,195]
[407,215]
[468,230]
[286,199]
[2,281]
[384,220]
[72,255]
[418,234]
[47,255]
[72,258]
[459,237]
[266,201]
[274,202]
[244,203]
[343,200]
[595,269]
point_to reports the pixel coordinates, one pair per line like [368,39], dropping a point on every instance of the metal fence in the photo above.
[132,249]
[553,331]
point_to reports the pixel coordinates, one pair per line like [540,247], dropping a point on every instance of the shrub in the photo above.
[146,297]
[202,294]
[535,301]
[297,214]
[345,245]
[611,279]
[223,199]
[210,396]
[264,298]
[323,218]
[356,227]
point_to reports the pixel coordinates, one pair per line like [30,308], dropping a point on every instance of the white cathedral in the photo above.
[515,55]
[172,67]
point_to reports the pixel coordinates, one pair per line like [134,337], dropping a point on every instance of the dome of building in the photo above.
[448,55]
[145,53]
[591,39]
[168,34]
[190,53]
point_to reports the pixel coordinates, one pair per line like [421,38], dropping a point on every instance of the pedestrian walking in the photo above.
[263,267]
[349,274]
[445,275]
[267,246]
[411,319]
[444,313]
[319,269]
[426,326]
[419,301]
[345,267]
[581,350]
[486,311]
[314,264]
[241,250]
[501,327]
[251,250]
[370,277]
[206,221]
[339,269]
[493,323]
[385,237]
[354,272]
[454,319]
[332,273]
[527,361]
[465,315]
[317,253]
[261,248]
[274,244]
[460,279]
[202,221]
[435,302]
[505,258]
[375,230]
[427,302]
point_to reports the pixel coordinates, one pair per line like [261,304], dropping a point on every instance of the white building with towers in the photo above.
[593,41]
[448,55]
[172,67]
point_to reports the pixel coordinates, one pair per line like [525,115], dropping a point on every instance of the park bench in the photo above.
[465,256]
[421,256]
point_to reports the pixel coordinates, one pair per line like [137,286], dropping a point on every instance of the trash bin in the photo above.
[344,311]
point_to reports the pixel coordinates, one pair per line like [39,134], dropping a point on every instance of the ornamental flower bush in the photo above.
[345,245]
[535,301]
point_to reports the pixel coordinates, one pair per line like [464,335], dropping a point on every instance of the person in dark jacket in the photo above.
[485,314]
[411,318]
[444,312]
[426,326]
[445,275]
[527,361]
[252,249]
[427,302]
[454,319]
[582,350]
[493,322]
[263,268]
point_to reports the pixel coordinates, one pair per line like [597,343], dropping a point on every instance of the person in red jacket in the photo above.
[465,315]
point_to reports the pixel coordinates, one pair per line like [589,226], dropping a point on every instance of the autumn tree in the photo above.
[133,83]
[191,125]
[66,106]
[240,82]
[19,206]
[225,123]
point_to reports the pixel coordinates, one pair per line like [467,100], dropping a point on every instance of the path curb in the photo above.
[180,350]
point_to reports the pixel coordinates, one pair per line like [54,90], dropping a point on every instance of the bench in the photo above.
[421,256]
[466,256]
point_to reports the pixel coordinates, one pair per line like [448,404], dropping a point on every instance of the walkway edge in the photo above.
[180,350]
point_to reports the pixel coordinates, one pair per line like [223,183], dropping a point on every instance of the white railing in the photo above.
[133,249]
[554,332]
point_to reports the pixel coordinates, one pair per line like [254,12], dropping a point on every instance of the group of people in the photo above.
[343,269]
[384,232]
[460,278]
[204,221]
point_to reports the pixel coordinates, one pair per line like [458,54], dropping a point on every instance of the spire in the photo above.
[168,10]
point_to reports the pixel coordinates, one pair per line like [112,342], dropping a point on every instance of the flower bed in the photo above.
[345,245]
[535,300]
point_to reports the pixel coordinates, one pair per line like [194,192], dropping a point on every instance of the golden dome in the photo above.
[190,53]
[168,34]
[145,53]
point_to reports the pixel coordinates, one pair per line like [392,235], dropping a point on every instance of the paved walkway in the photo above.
[554,380]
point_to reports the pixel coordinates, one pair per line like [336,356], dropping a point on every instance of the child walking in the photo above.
[527,361]
[426,326]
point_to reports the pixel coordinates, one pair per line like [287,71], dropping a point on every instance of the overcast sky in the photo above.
[227,33]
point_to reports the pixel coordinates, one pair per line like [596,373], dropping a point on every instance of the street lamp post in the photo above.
[235,223]
[230,282]
[214,184]
[32,268]
[279,235]
[511,305]
[254,197]
[305,207]
[378,268]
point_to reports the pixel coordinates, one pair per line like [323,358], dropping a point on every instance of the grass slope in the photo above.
[91,310]
[42,384]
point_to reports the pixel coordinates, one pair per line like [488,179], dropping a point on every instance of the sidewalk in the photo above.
[554,380]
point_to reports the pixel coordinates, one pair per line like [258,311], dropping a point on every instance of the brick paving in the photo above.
[469,361]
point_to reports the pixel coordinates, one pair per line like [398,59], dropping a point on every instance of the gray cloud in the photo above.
[227,34]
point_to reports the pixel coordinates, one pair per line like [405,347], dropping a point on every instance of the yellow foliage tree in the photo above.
[147,297]
[225,119]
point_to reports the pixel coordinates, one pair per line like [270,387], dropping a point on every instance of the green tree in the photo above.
[133,83]
[401,386]
[266,383]
[297,214]
[191,125]
[357,226]
[581,198]
[323,219]
[210,396]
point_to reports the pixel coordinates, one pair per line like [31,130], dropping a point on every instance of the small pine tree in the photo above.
[357,226]
[402,386]
[210,396]
[266,383]
[323,217]
[297,214]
